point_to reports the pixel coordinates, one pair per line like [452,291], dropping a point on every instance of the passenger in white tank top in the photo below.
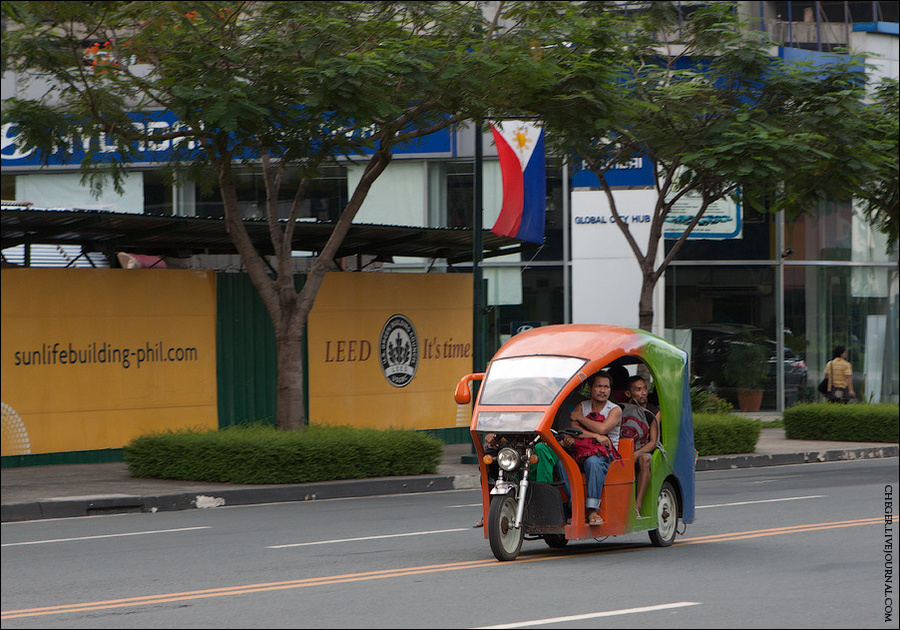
[605,430]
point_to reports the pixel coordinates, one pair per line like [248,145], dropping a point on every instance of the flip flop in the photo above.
[479,524]
[595,520]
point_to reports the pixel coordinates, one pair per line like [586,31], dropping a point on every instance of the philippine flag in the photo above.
[520,146]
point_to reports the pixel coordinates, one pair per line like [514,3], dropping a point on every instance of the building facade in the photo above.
[805,285]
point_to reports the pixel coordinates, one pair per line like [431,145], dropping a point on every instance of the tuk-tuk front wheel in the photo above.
[666,517]
[506,540]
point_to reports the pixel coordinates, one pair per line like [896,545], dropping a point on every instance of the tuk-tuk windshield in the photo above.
[533,380]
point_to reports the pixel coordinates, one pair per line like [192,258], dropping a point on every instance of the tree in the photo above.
[282,85]
[702,97]
[880,193]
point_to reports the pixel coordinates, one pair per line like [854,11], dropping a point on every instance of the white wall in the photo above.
[881,50]
[398,197]
[606,278]
[65,190]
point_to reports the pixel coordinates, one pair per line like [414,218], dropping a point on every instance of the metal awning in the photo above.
[111,232]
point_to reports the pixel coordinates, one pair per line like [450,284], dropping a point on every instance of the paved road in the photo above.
[790,546]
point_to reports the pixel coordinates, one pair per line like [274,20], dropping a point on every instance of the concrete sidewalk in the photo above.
[35,492]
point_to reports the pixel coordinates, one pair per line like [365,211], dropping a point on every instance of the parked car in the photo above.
[795,375]
[709,351]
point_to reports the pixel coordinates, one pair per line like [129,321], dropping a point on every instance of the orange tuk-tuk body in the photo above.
[525,398]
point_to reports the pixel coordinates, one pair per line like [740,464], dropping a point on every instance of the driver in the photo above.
[599,419]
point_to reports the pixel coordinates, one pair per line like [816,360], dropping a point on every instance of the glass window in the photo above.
[542,302]
[824,308]
[397,197]
[721,295]
[716,308]
[527,380]
[553,223]
[756,242]
[325,199]
[157,193]
[508,421]
[8,188]
[825,235]
[451,196]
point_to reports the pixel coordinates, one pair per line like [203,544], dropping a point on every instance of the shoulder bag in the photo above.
[823,386]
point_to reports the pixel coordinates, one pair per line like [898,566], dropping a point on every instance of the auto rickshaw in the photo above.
[525,397]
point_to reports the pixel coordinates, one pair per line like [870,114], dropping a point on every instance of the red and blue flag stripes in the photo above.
[520,147]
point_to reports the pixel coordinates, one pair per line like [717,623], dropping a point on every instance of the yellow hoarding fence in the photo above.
[94,357]
[387,349]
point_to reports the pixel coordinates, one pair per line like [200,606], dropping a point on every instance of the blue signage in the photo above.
[440,143]
[638,171]
[145,152]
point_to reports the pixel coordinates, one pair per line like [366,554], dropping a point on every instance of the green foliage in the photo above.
[261,454]
[734,118]
[808,394]
[287,88]
[746,365]
[721,434]
[880,193]
[704,401]
[844,423]
[781,134]
[309,82]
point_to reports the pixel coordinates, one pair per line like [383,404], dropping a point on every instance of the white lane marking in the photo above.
[340,540]
[54,540]
[608,613]
[811,496]
[465,505]
[68,519]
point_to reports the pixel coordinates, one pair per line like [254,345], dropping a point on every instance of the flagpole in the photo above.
[567,252]
[478,363]
[478,251]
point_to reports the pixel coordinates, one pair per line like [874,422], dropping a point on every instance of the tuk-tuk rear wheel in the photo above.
[666,517]
[506,540]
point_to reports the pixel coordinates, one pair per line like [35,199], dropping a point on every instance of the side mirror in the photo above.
[463,396]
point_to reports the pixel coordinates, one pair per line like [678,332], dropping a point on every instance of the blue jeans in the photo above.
[595,469]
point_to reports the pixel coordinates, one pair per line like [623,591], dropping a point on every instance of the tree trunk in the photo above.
[288,309]
[282,303]
[290,411]
[645,305]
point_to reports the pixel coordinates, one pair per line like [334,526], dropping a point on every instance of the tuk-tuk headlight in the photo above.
[508,459]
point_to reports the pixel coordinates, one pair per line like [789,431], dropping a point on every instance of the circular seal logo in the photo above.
[399,351]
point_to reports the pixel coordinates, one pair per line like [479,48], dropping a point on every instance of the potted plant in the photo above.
[746,368]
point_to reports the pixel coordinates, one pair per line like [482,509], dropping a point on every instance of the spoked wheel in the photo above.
[506,540]
[666,517]
[556,541]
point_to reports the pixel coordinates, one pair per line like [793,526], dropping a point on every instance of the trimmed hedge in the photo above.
[844,423]
[260,454]
[724,433]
